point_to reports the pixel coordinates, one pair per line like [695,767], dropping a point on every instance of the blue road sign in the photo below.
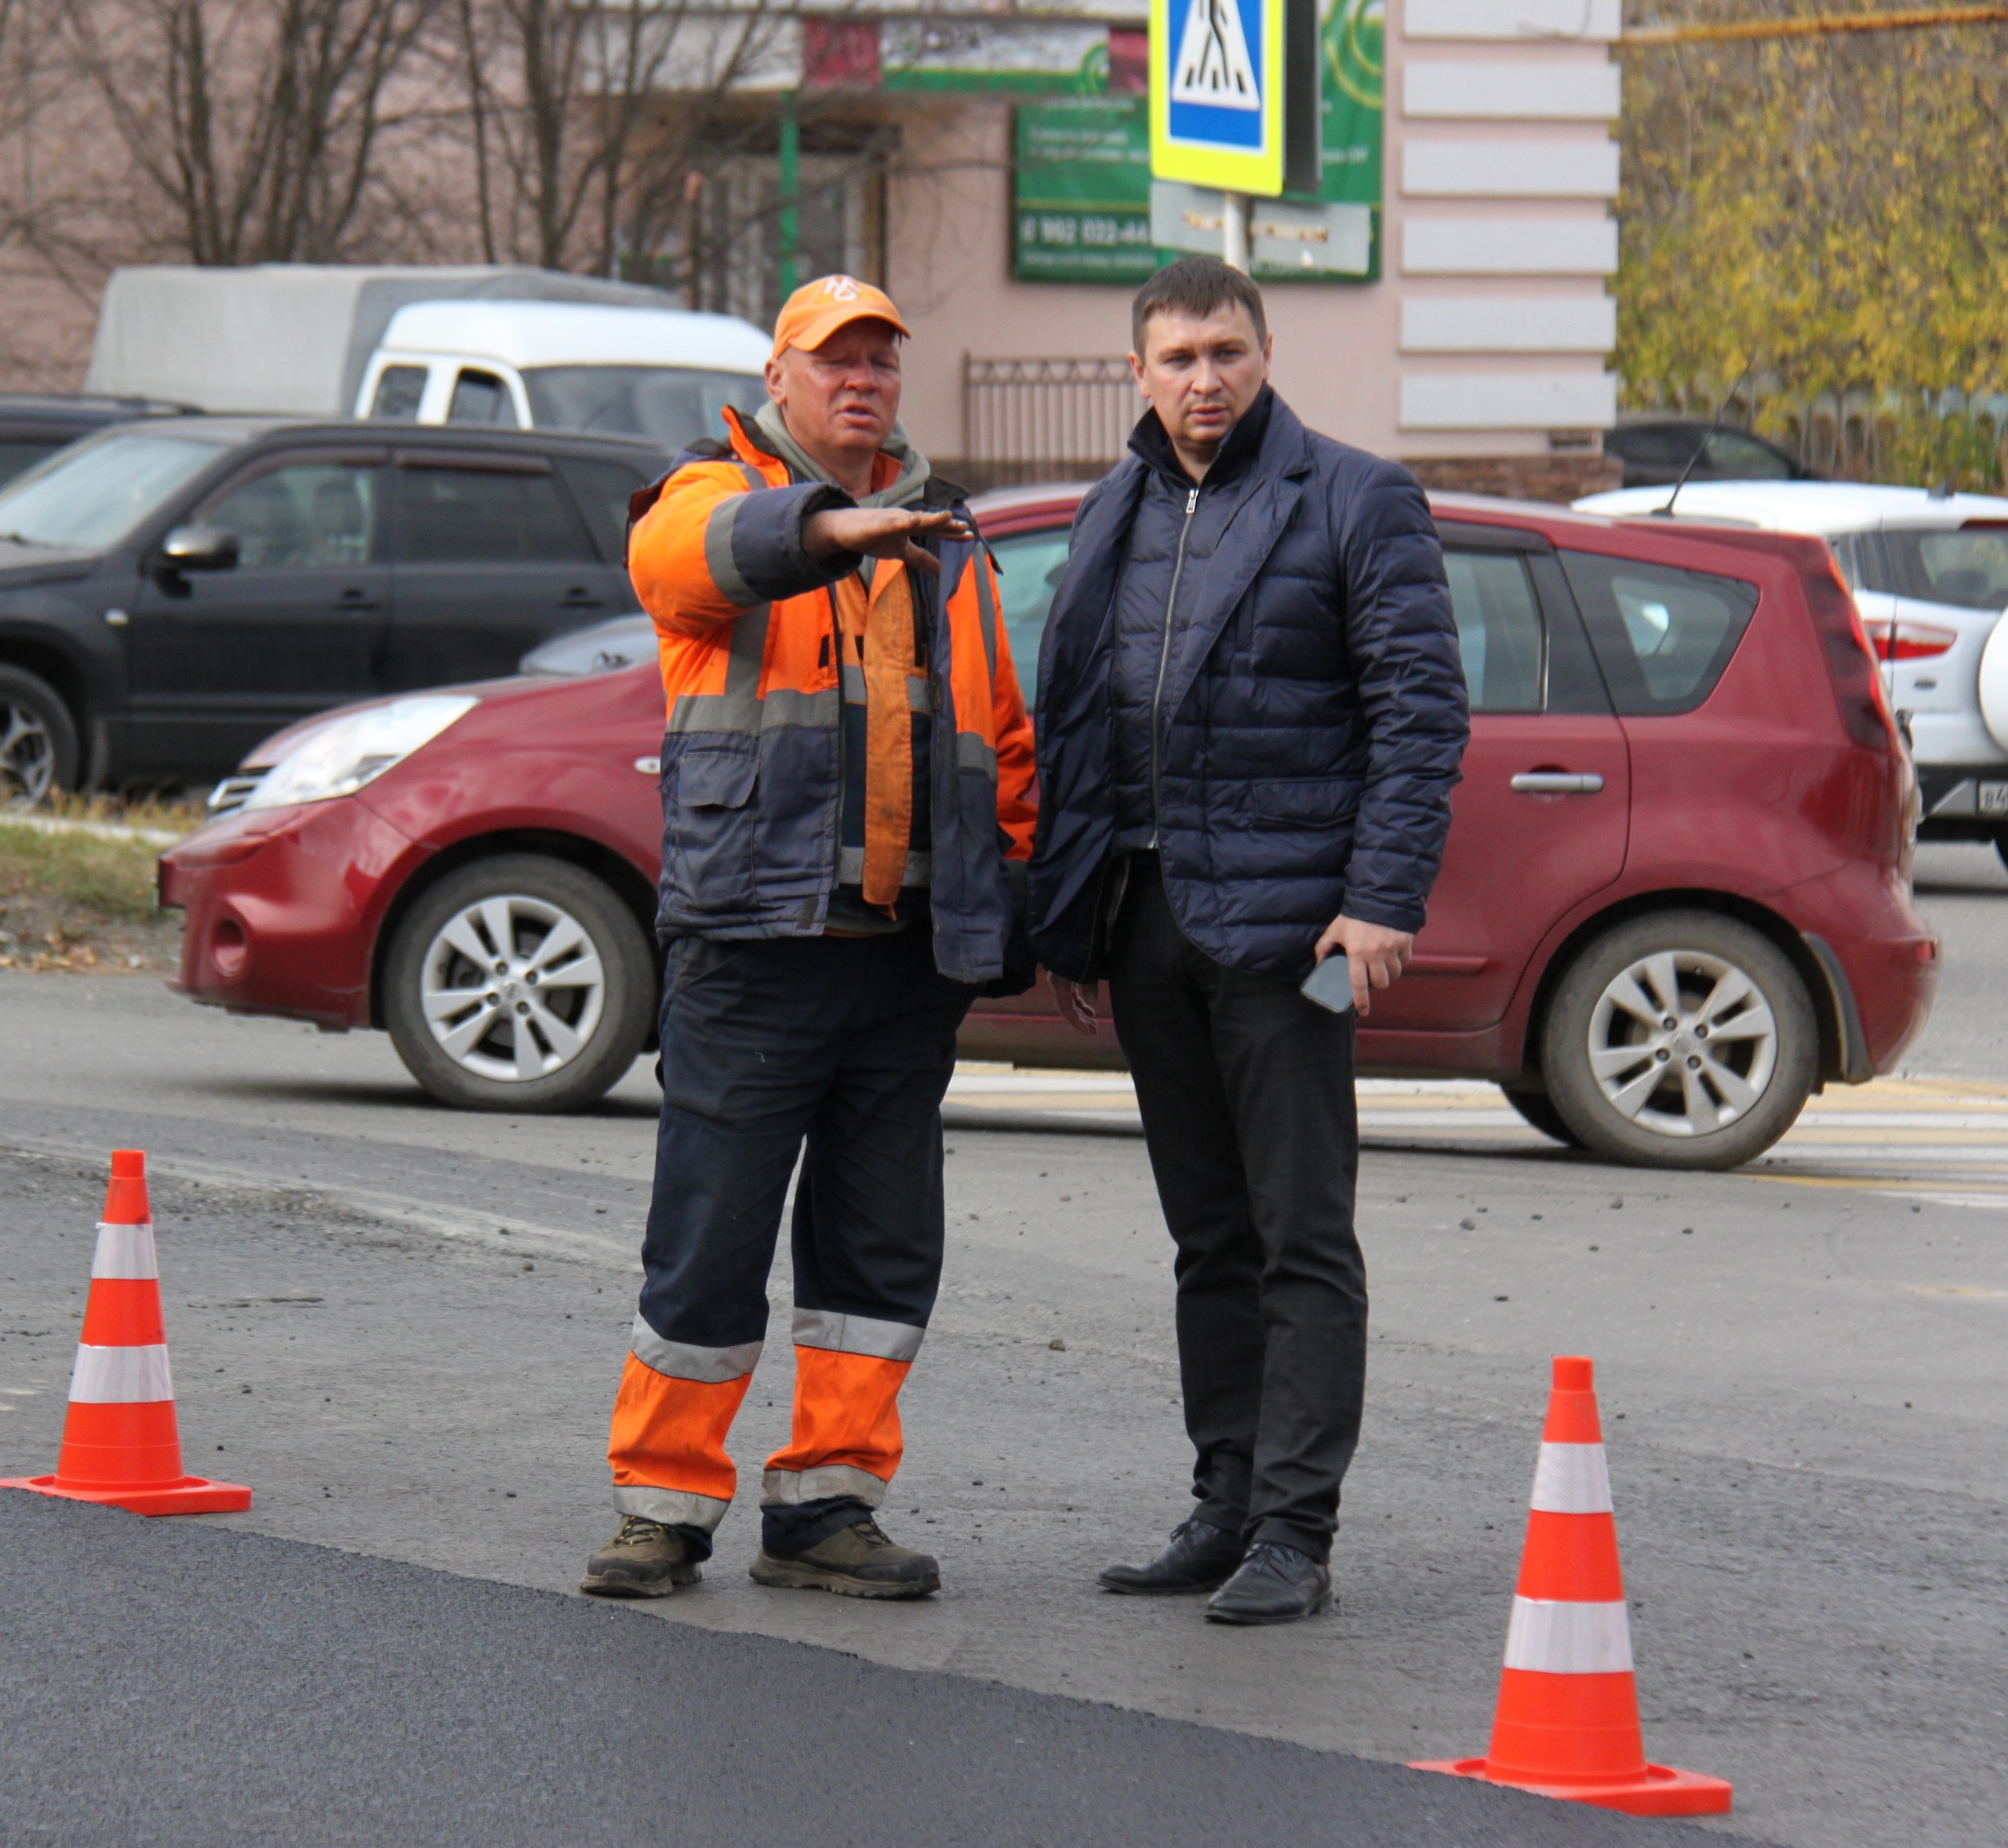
[1216,110]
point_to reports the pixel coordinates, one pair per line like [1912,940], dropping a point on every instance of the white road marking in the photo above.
[1944,1139]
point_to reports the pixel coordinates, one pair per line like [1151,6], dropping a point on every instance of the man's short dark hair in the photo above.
[1197,286]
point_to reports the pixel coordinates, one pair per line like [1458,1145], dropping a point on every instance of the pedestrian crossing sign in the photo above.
[1220,91]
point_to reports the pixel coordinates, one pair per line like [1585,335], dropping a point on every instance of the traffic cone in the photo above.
[120,1444]
[1567,1721]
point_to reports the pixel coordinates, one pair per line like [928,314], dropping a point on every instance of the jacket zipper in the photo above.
[1164,656]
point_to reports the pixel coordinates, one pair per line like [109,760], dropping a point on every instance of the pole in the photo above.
[1234,230]
[791,189]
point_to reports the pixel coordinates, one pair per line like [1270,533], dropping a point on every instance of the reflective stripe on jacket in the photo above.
[747,625]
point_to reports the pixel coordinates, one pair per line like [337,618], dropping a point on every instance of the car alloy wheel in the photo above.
[1682,1043]
[27,756]
[513,988]
[1679,1039]
[37,741]
[520,983]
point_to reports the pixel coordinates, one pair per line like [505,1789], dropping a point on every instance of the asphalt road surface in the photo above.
[403,1327]
[369,1702]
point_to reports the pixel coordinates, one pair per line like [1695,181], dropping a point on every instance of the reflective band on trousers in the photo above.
[673,1507]
[1553,1637]
[125,1251]
[679,1360]
[788,1488]
[857,1334]
[120,1376]
[1572,1479]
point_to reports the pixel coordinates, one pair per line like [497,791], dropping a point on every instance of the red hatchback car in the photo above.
[1675,898]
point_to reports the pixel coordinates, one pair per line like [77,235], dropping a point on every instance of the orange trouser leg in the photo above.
[667,1445]
[846,1438]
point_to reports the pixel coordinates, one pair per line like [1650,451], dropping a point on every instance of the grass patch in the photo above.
[98,878]
[81,900]
[179,817]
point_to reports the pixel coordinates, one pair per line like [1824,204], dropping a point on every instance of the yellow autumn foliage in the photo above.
[1832,212]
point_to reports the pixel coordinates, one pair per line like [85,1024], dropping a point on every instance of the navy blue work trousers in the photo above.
[845,1045]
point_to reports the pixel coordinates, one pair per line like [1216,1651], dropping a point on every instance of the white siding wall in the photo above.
[1525,91]
[1583,21]
[1510,324]
[1505,169]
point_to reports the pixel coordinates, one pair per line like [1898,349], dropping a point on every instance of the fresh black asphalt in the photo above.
[166,1682]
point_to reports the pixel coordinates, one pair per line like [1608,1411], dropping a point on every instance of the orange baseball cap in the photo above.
[817,309]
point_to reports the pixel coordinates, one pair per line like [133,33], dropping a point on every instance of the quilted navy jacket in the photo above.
[1311,718]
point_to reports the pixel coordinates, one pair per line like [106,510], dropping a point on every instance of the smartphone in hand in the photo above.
[1330,984]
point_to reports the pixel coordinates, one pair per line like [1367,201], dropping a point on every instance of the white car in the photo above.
[1929,573]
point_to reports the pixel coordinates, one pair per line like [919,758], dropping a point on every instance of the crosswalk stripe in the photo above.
[1941,1139]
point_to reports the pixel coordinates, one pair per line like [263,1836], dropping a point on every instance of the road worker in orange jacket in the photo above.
[847,800]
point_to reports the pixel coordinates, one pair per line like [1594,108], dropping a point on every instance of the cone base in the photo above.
[192,1495]
[1662,1792]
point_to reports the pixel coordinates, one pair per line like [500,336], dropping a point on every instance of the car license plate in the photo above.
[1994,799]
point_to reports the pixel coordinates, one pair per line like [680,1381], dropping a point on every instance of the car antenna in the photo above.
[1716,423]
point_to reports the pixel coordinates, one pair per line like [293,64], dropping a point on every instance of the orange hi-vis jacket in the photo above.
[752,651]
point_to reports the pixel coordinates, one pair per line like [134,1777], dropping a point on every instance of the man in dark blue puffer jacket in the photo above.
[1251,712]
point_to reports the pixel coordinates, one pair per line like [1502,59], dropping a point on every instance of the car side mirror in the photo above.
[199,548]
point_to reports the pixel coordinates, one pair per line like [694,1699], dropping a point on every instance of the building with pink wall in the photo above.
[1478,349]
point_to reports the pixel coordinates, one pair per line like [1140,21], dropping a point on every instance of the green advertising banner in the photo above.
[1353,42]
[1082,169]
[1083,191]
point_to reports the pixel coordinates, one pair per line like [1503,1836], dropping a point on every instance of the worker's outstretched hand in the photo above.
[880,532]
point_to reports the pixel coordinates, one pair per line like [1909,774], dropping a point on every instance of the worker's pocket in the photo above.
[710,821]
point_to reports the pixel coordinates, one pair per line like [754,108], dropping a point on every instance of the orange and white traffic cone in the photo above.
[120,1443]
[1567,1721]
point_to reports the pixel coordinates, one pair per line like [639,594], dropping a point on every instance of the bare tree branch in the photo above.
[258,125]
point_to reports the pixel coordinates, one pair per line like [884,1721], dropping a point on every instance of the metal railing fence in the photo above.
[1026,419]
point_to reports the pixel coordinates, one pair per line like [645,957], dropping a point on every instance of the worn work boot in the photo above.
[644,1559]
[1200,1557]
[855,1561]
[1276,1584]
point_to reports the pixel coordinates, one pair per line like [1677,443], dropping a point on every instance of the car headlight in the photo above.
[356,748]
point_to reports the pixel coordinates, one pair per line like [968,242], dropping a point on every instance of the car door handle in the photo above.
[1558,783]
[358,599]
[579,598]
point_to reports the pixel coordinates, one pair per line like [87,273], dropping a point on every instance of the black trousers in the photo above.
[1246,1090]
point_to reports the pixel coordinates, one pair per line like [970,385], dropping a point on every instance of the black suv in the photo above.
[34,424]
[173,592]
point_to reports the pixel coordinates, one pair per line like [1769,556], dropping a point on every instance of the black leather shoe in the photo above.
[1200,1557]
[1276,1584]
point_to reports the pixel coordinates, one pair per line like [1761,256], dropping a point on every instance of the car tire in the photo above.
[1606,1033]
[549,1021]
[1537,1108]
[37,741]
